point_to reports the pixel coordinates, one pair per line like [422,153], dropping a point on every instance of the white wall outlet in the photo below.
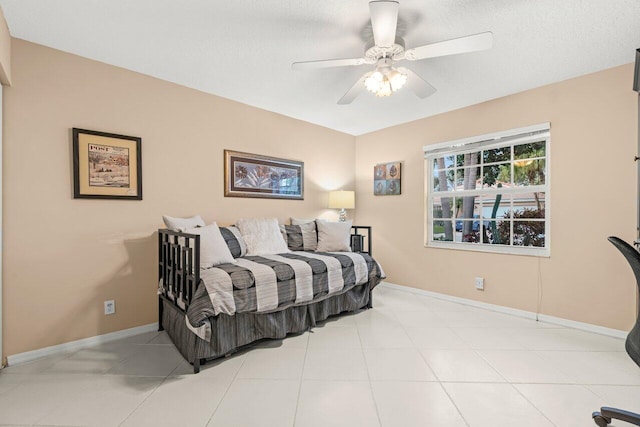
[109,307]
[480,283]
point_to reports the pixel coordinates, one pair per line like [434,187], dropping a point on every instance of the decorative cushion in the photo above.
[300,237]
[334,236]
[181,224]
[234,240]
[262,236]
[213,248]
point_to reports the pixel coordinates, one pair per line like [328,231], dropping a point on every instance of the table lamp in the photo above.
[342,200]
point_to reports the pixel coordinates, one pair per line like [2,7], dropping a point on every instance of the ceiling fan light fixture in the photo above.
[384,81]
[397,79]
[374,82]
[385,90]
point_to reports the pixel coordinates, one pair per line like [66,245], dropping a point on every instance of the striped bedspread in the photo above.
[270,283]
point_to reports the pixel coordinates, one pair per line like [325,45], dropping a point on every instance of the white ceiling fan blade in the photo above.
[327,63]
[384,19]
[417,84]
[355,90]
[472,43]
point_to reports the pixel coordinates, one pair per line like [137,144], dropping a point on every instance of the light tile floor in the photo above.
[411,361]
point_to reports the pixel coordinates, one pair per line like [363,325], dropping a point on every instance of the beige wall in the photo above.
[593,193]
[64,257]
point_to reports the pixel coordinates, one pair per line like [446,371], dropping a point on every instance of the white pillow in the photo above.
[334,236]
[213,249]
[262,236]
[181,224]
[300,221]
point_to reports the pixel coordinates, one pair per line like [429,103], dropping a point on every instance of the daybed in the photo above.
[213,312]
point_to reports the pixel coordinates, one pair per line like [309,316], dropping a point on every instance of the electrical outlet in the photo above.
[480,283]
[109,307]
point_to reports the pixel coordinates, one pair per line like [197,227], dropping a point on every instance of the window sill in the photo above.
[494,249]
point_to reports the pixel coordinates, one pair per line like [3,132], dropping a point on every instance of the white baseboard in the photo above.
[30,356]
[616,333]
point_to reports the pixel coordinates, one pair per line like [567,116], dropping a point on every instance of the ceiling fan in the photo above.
[386,48]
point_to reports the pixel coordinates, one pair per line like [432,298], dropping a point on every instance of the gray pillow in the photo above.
[234,241]
[300,237]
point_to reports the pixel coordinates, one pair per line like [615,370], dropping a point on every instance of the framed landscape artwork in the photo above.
[253,175]
[106,165]
[387,179]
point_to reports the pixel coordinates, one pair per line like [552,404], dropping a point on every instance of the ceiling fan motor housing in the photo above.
[373,53]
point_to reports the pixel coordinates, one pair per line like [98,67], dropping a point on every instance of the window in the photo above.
[490,193]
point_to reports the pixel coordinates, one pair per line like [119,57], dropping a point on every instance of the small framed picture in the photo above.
[387,179]
[106,166]
[254,175]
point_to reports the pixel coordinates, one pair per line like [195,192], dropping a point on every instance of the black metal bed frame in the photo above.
[179,269]
[358,241]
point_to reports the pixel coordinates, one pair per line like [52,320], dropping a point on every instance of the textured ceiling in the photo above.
[243,49]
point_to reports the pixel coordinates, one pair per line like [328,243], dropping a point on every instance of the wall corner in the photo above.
[5,51]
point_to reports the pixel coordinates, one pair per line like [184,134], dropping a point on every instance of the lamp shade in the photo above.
[342,199]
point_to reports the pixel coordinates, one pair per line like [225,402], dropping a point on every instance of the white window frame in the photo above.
[484,142]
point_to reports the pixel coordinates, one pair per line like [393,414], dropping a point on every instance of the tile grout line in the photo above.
[453,402]
[475,351]
[439,382]
[415,346]
[366,367]
[52,410]
[419,350]
[143,400]
[532,404]
[493,368]
[304,364]
[227,390]
[152,392]
[506,381]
